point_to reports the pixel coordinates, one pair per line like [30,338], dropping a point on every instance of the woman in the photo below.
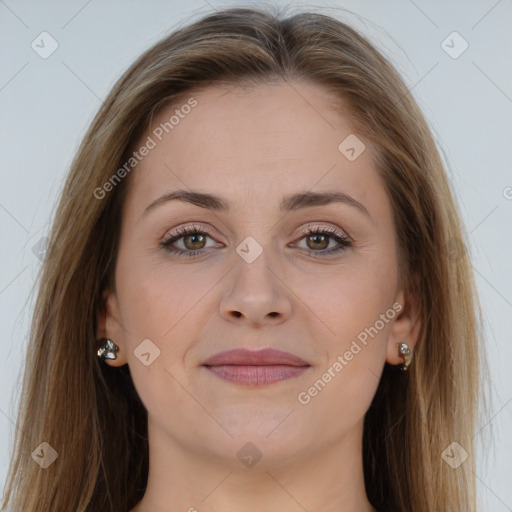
[256,294]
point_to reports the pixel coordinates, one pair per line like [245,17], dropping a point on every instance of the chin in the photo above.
[261,436]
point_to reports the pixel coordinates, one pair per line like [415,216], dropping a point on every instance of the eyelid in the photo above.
[303,230]
[183,229]
[333,229]
[333,232]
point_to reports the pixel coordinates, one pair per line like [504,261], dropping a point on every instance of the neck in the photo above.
[328,480]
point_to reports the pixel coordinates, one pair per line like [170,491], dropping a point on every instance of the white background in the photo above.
[46,105]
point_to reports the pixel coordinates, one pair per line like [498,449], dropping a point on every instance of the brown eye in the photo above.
[194,242]
[191,239]
[316,241]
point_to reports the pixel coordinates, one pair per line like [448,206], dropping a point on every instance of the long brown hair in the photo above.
[90,413]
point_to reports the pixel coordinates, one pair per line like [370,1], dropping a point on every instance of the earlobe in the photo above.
[110,344]
[405,329]
[107,350]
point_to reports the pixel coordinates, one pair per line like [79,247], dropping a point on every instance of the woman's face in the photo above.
[252,278]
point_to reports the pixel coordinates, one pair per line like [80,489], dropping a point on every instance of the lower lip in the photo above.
[257,375]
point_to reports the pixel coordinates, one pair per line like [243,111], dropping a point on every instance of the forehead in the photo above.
[269,139]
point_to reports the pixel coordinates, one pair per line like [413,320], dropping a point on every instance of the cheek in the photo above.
[157,305]
[154,293]
[359,314]
[355,301]
[352,296]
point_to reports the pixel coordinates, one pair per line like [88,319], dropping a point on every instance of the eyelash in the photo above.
[332,233]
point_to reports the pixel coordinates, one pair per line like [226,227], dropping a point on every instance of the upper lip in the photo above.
[246,357]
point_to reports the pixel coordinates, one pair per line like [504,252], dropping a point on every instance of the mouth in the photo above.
[256,368]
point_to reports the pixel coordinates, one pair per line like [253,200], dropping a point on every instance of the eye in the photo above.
[193,237]
[317,239]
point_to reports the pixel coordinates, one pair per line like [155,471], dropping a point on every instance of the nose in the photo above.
[256,293]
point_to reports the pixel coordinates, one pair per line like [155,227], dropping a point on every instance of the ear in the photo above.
[405,328]
[109,326]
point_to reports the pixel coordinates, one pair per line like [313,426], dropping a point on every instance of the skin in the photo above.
[253,146]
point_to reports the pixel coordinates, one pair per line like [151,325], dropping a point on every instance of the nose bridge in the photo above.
[254,262]
[256,289]
[256,247]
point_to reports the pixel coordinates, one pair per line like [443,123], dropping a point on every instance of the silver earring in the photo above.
[107,349]
[406,352]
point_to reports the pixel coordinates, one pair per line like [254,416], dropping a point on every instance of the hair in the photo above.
[91,414]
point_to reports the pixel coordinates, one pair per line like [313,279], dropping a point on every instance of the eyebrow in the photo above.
[289,203]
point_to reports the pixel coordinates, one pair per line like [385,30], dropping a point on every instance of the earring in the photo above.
[107,349]
[406,352]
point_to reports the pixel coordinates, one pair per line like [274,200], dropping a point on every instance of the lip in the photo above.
[256,368]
